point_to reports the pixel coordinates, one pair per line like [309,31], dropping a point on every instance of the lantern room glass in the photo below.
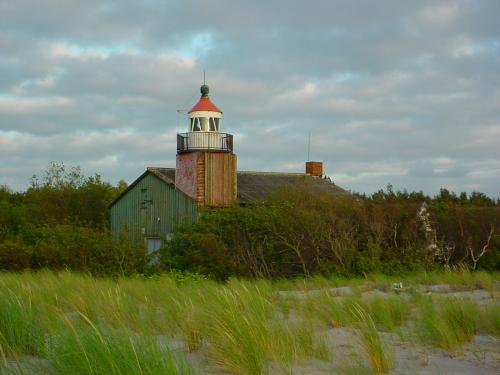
[204,124]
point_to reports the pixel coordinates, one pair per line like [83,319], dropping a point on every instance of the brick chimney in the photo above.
[314,168]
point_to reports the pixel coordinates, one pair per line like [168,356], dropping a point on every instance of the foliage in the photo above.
[86,250]
[295,232]
[15,255]
[62,221]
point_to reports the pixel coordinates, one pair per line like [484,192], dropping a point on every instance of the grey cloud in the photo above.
[386,88]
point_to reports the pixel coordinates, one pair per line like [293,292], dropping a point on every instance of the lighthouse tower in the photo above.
[205,163]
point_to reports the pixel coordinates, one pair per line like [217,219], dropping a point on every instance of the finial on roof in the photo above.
[204,90]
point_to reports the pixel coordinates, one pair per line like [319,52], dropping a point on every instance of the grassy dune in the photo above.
[67,323]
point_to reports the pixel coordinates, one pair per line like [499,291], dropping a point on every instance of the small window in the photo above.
[191,122]
[217,120]
[146,196]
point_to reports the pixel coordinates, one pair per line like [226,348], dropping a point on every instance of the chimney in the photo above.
[314,168]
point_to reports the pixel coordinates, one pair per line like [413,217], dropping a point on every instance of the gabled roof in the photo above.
[152,170]
[254,186]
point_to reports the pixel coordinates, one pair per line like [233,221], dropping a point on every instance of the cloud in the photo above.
[392,92]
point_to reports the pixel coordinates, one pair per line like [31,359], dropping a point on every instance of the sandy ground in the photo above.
[480,357]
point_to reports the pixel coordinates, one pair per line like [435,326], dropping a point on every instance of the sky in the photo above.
[391,92]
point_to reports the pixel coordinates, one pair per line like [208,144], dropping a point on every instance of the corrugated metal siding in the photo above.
[149,200]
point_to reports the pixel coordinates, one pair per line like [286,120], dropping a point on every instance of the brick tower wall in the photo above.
[314,168]
[207,177]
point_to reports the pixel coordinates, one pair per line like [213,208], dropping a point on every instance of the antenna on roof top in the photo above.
[179,113]
[309,147]
[204,76]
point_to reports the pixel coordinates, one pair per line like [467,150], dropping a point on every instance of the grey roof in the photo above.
[254,186]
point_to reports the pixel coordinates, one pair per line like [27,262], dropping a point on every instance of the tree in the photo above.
[67,196]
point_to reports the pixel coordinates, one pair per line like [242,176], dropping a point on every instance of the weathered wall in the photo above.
[314,168]
[153,205]
[207,177]
[220,179]
[186,173]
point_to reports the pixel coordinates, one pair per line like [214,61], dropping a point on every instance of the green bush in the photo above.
[82,249]
[15,255]
[62,221]
[87,250]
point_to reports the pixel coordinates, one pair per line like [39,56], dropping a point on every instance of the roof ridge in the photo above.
[245,172]
[275,173]
[161,176]
[253,185]
[150,167]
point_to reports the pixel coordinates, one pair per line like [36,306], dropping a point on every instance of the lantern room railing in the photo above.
[199,141]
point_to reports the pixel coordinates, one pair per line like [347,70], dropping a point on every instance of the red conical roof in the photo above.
[205,104]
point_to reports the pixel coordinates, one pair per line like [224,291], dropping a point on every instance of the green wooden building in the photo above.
[205,175]
[150,208]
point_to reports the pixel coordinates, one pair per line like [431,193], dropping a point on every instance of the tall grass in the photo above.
[85,325]
[330,310]
[235,341]
[388,312]
[377,352]
[187,317]
[235,329]
[461,315]
[245,333]
[446,322]
[20,329]
[89,349]
[484,280]
[459,278]
[432,328]
[488,319]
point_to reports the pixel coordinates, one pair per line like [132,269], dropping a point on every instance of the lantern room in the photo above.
[205,162]
[204,128]
[204,116]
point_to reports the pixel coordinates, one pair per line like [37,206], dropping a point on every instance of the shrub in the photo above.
[15,255]
[87,250]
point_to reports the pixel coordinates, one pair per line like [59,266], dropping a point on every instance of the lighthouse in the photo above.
[205,161]
[160,199]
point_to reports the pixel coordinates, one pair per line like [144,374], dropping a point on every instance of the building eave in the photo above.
[152,170]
